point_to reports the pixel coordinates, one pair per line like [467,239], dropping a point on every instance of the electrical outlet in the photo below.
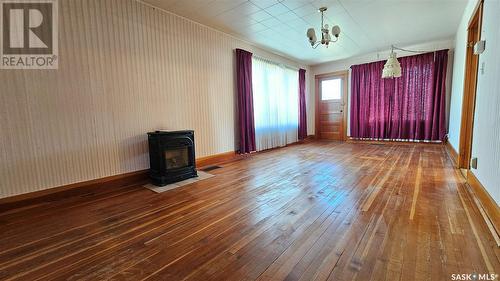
[473,163]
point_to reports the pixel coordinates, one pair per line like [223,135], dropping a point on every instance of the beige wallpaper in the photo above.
[125,69]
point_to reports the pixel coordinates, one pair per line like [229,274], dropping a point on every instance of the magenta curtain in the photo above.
[245,101]
[439,128]
[411,107]
[302,105]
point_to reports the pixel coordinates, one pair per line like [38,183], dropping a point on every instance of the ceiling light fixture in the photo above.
[392,68]
[325,33]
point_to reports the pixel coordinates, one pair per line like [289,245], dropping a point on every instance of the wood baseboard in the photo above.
[74,189]
[308,139]
[452,153]
[216,159]
[88,186]
[85,187]
[490,207]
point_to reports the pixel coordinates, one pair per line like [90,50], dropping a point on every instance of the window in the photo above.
[331,89]
[276,102]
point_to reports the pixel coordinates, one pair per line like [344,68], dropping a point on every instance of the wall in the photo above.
[486,139]
[346,64]
[458,76]
[125,69]
[486,131]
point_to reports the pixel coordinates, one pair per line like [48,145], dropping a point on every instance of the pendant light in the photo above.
[326,38]
[392,68]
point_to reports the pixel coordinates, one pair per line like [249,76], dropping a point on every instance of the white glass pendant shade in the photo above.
[311,35]
[336,31]
[392,68]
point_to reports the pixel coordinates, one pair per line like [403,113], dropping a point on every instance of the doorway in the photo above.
[331,99]
[470,83]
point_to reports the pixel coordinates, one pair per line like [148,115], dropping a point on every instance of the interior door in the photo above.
[470,86]
[330,107]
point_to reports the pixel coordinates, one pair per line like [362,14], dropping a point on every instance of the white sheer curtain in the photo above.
[276,99]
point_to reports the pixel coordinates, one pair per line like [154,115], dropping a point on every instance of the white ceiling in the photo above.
[367,25]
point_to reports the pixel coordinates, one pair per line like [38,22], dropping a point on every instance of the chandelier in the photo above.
[392,68]
[325,33]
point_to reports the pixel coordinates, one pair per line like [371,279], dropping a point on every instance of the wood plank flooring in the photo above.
[317,211]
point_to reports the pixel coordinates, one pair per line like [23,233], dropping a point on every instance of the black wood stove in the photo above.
[171,156]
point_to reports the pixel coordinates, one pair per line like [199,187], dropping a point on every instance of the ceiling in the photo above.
[367,25]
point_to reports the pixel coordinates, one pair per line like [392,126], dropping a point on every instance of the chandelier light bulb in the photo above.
[328,38]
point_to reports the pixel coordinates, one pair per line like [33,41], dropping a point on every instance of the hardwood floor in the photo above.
[318,211]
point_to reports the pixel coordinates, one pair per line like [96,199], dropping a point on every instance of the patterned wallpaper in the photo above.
[125,69]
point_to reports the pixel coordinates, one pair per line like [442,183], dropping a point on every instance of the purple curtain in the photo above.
[302,105]
[245,101]
[439,129]
[411,107]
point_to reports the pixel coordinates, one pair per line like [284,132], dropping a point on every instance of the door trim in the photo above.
[470,86]
[344,75]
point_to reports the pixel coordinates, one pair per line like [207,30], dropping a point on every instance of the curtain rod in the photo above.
[409,51]
[276,63]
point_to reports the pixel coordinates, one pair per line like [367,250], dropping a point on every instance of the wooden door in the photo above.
[470,84]
[331,101]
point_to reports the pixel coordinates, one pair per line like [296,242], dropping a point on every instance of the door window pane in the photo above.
[331,89]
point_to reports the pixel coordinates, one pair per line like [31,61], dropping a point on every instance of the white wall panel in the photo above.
[486,131]
[486,142]
[457,91]
[125,69]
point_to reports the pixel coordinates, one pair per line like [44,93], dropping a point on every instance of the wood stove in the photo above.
[171,156]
